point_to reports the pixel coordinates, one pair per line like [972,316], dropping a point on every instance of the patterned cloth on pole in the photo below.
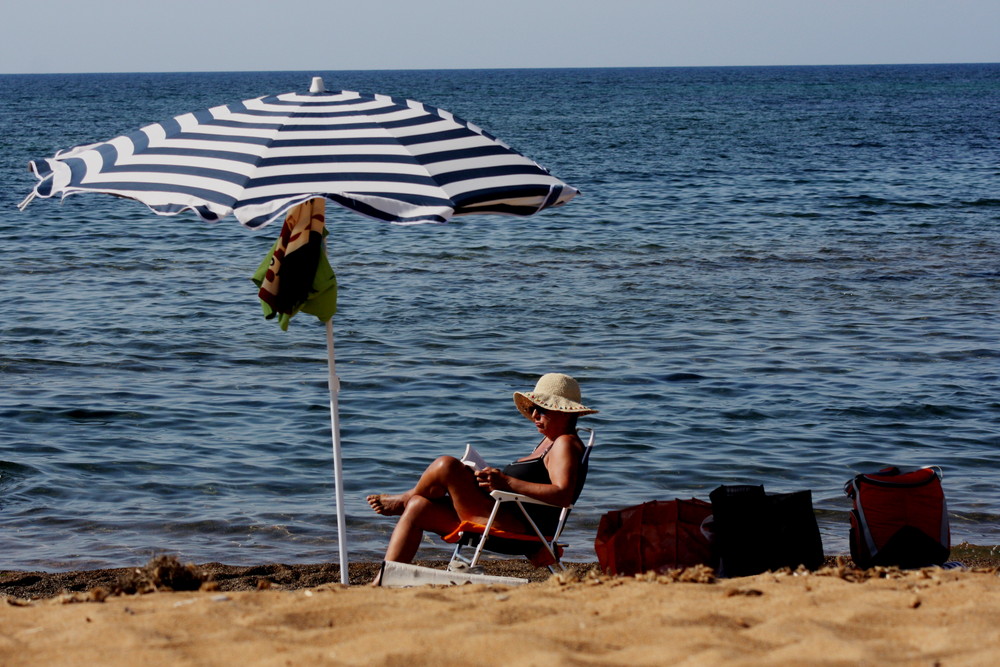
[296,275]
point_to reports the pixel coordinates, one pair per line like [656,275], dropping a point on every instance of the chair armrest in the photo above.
[506,496]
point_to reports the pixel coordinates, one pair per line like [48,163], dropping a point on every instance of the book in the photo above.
[473,459]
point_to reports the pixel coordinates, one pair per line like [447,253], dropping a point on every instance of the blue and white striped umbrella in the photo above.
[388,158]
[384,157]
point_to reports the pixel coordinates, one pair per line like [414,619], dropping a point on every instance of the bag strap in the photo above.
[937,470]
[862,521]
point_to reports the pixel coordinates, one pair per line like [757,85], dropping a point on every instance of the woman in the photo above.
[450,492]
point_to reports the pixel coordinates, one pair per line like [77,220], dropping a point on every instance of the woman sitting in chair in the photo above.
[450,492]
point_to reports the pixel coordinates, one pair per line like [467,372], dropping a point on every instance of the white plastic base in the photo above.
[404,575]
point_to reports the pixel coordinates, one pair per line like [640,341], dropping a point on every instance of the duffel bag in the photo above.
[655,536]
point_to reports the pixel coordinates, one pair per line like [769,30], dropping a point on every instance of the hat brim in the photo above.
[525,401]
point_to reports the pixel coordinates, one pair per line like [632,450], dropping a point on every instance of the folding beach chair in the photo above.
[541,550]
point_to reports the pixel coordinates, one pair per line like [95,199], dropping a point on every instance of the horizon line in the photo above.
[488,69]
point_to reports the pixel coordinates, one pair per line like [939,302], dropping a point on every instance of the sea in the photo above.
[782,276]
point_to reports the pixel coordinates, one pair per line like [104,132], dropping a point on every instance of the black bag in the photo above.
[756,532]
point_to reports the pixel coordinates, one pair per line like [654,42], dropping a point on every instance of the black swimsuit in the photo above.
[534,470]
[531,470]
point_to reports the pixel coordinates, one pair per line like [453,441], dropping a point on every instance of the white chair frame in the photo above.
[519,499]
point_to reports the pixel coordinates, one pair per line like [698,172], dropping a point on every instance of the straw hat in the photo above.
[554,391]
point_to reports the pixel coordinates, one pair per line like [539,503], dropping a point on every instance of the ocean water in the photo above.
[782,276]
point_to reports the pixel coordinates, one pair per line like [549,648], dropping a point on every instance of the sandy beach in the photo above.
[282,615]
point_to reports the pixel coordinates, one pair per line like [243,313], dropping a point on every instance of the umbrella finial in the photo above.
[317,85]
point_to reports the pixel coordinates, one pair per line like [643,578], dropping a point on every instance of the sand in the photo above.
[836,616]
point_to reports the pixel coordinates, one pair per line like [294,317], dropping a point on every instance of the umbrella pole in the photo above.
[338,468]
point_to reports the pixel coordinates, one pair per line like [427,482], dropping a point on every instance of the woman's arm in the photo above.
[562,463]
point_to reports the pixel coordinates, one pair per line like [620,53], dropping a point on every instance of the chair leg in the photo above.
[486,532]
[556,567]
[551,548]
[456,556]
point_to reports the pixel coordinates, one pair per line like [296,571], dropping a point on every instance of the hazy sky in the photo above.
[252,35]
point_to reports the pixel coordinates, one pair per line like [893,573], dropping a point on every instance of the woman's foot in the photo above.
[386,504]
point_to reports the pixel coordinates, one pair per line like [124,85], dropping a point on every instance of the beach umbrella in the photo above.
[383,157]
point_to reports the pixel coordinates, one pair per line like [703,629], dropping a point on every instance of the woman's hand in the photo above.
[491,479]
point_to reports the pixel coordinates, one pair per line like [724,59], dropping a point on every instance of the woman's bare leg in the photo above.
[387,504]
[421,514]
[446,494]
[445,476]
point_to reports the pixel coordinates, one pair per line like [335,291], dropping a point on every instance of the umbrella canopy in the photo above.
[389,158]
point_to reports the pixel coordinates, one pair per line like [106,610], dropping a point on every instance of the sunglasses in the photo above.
[539,409]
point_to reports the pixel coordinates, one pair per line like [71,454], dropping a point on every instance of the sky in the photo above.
[57,36]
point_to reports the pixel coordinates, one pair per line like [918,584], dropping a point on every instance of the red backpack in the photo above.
[899,518]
